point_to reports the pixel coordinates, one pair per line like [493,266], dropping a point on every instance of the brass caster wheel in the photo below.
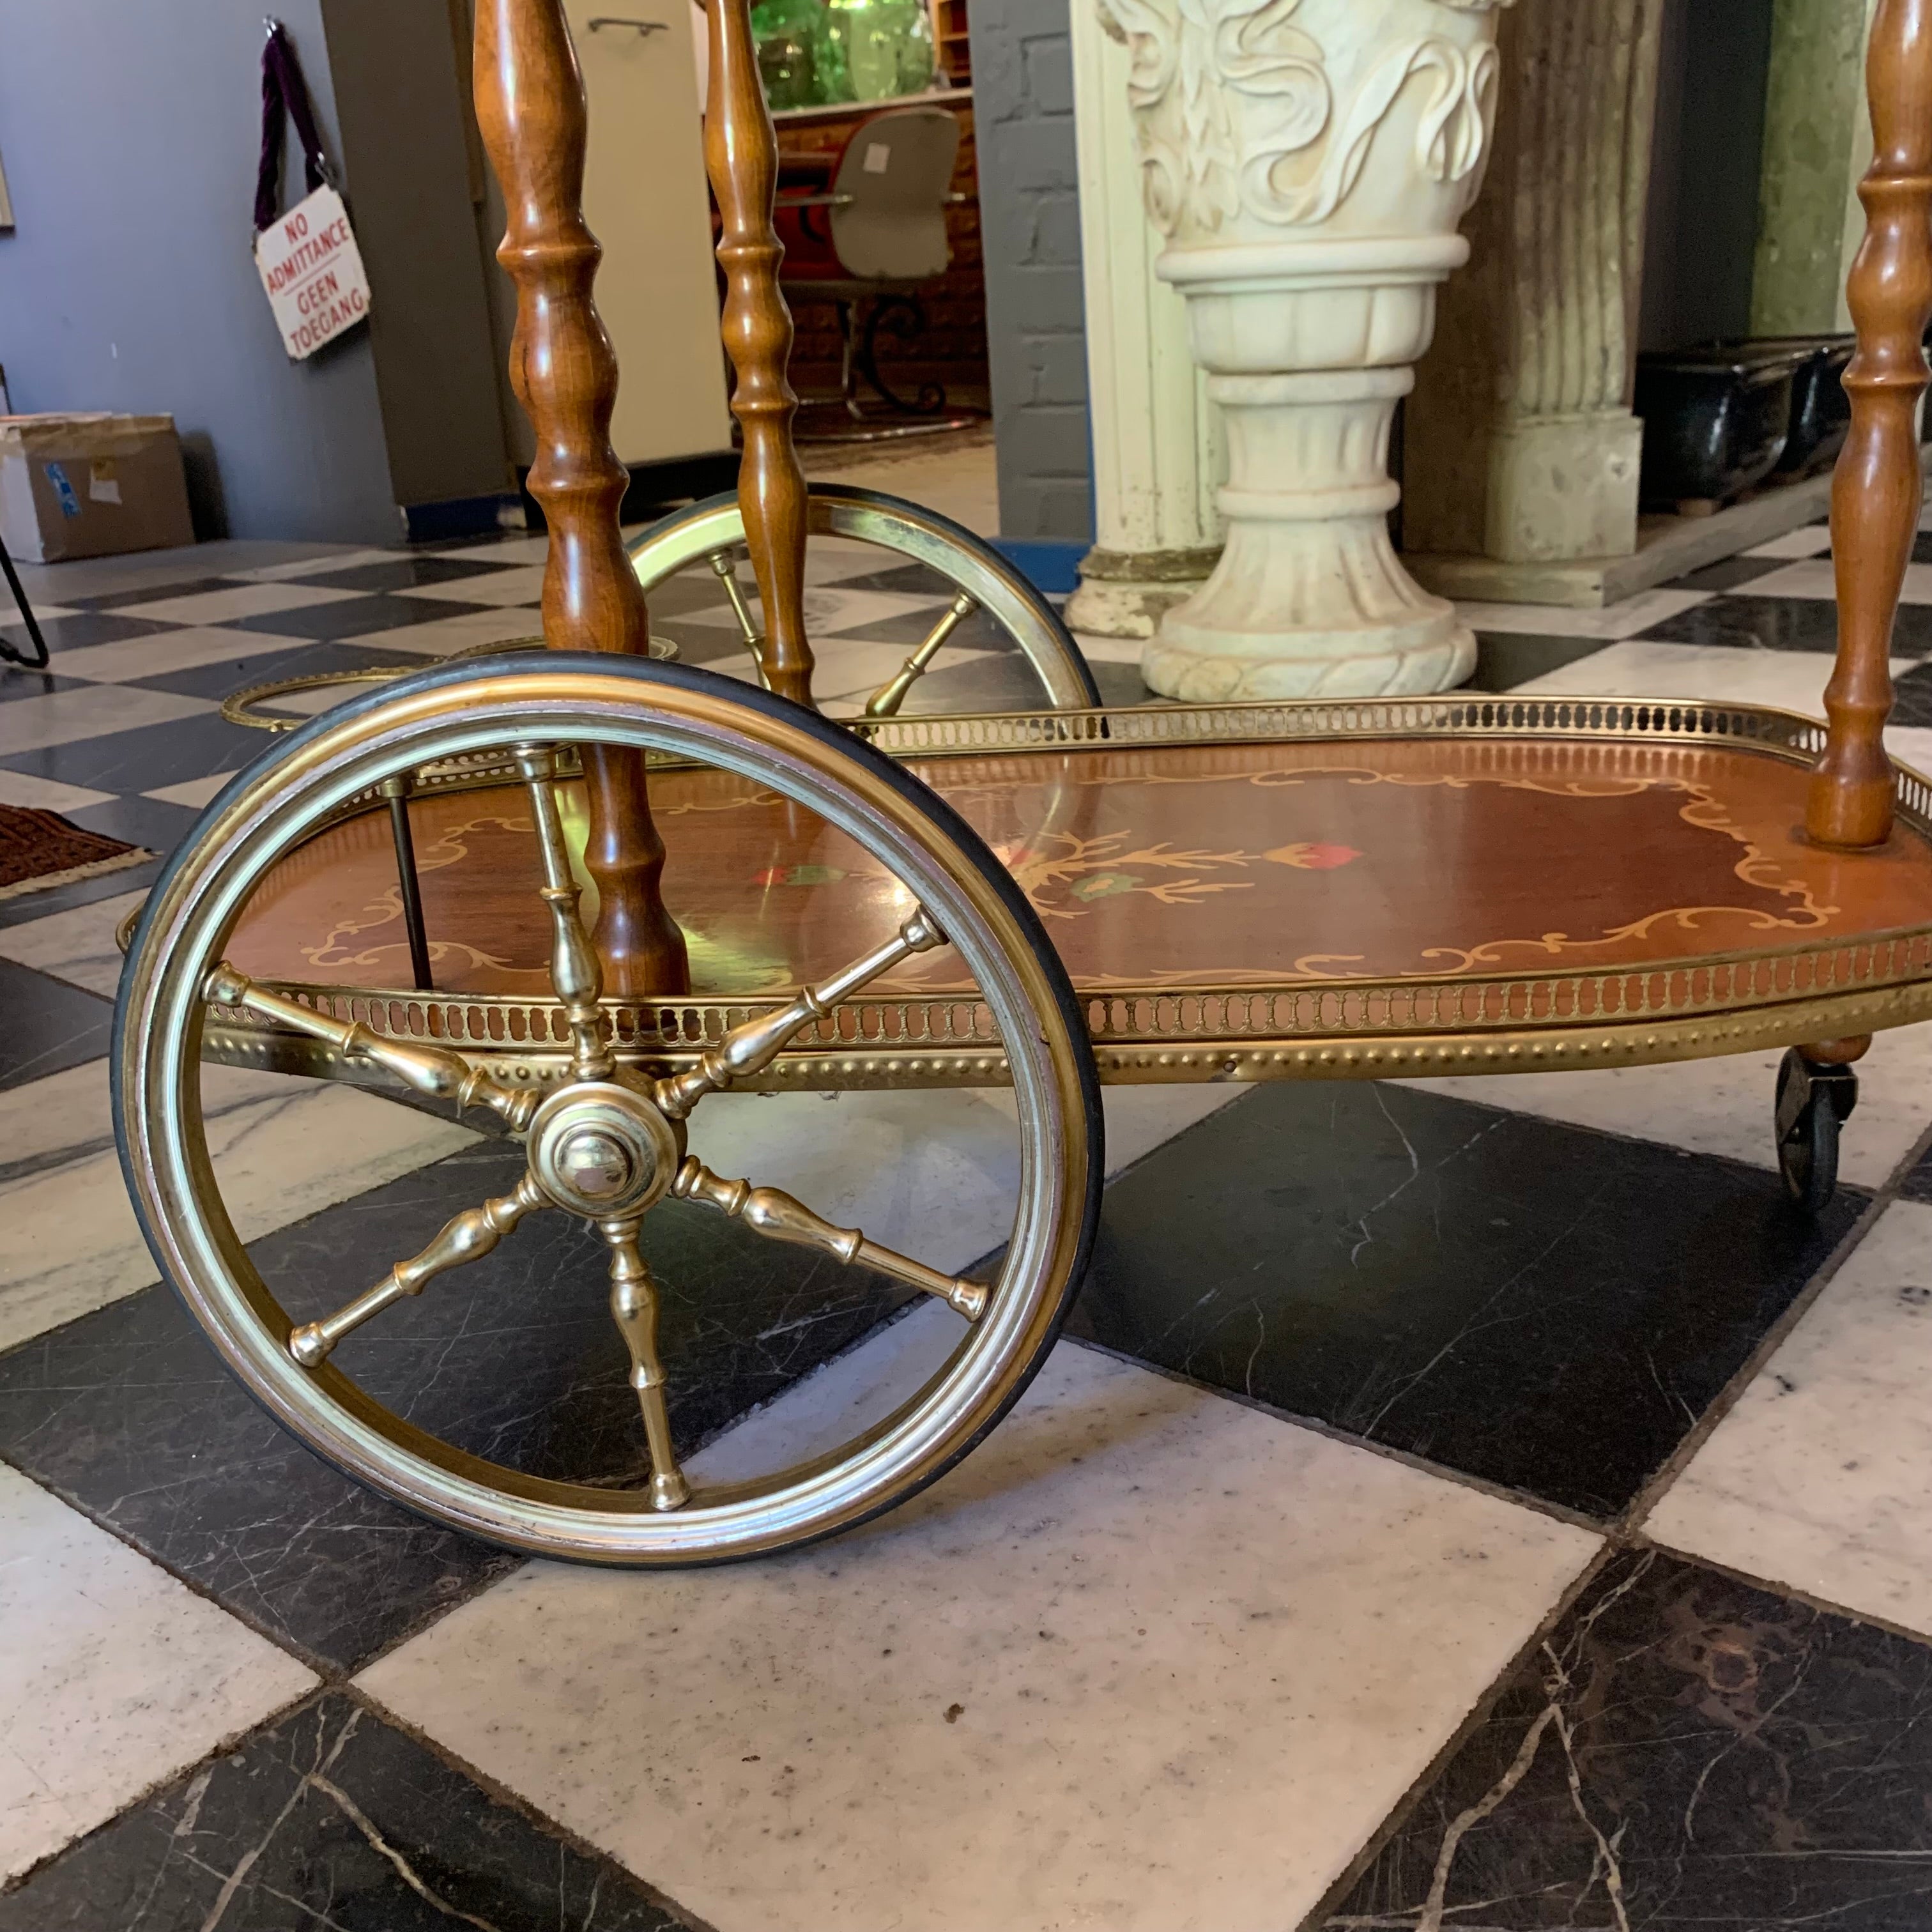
[606,1137]
[708,539]
[1814,1102]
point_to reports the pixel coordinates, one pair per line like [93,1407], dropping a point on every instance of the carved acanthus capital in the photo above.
[1267,114]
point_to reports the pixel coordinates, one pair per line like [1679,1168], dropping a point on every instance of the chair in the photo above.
[870,243]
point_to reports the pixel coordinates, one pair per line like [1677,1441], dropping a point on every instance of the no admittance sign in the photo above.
[314,273]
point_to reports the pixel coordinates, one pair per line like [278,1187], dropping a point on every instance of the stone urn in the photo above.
[1308,162]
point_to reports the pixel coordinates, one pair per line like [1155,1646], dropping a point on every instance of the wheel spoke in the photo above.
[634,1306]
[724,567]
[575,971]
[779,1217]
[747,1050]
[468,1238]
[890,696]
[433,1070]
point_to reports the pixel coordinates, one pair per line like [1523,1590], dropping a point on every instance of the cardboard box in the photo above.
[91,486]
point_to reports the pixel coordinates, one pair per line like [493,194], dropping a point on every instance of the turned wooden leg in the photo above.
[530,103]
[742,150]
[1880,490]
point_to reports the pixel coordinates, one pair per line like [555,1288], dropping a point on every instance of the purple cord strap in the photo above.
[284,94]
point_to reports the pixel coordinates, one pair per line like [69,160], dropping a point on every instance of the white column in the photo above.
[1159,452]
[1308,162]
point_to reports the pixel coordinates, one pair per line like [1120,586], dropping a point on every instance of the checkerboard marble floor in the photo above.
[1465,1505]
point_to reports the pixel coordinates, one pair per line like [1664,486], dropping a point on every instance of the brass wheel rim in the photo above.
[908,531]
[157,1049]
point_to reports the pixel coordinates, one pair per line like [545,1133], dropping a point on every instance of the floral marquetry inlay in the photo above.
[1240,112]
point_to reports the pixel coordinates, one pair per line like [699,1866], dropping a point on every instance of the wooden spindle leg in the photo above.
[1880,490]
[530,103]
[742,150]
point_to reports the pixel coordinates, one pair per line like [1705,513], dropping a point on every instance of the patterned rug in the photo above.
[39,848]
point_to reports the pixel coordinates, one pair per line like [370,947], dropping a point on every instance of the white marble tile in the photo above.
[22,788]
[163,651]
[830,611]
[850,675]
[1812,540]
[113,1676]
[330,558]
[1816,1479]
[1110,650]
[1723,1107]
[196,793]
[936,1173]
[65,717]
[1616,621]
[76,946]
[523,584]
[443,637]
[1147,1660]
[282,1150]
[238,603]
[509,549]
[1816,577]
[64,1116]
[960,483]
[1785,680]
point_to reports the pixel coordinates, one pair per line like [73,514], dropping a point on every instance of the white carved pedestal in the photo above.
[1309,161]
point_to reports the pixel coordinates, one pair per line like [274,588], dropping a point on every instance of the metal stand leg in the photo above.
[27,617]
[397,791]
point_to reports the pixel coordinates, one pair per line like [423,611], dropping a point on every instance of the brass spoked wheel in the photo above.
[613,1141]
[708,539]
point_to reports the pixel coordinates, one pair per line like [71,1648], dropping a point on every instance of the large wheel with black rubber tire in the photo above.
[609,1143]
[708,538]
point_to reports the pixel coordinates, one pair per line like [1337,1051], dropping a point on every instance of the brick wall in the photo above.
[1036,313]
[951,351]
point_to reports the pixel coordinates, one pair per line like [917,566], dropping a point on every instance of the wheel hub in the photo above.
[604,1151]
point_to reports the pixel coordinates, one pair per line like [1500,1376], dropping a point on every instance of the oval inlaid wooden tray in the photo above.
[1260,891]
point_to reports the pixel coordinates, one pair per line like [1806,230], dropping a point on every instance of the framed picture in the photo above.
[6,201]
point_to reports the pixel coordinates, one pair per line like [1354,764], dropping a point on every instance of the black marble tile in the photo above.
[405,572]
[82,893]
[904,580]
[909,628]
[1783,624]
[700,643]
[1921,548]
[1120,686]
[992,684]
[1686,1752]
[88,627]
[1545,1307]
[152,824]
[16,681]
[153,593]
[1730,573]
[330,1820]
[224,679]
[1917,1185]
[147,758]
[361,616]
[47,1026]
[126,1413]
[1913,706]
[1505,660]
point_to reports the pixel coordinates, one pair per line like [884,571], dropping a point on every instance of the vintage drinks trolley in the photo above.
[1046,902]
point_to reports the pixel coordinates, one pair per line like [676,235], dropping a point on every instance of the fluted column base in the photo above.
[1309,599]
